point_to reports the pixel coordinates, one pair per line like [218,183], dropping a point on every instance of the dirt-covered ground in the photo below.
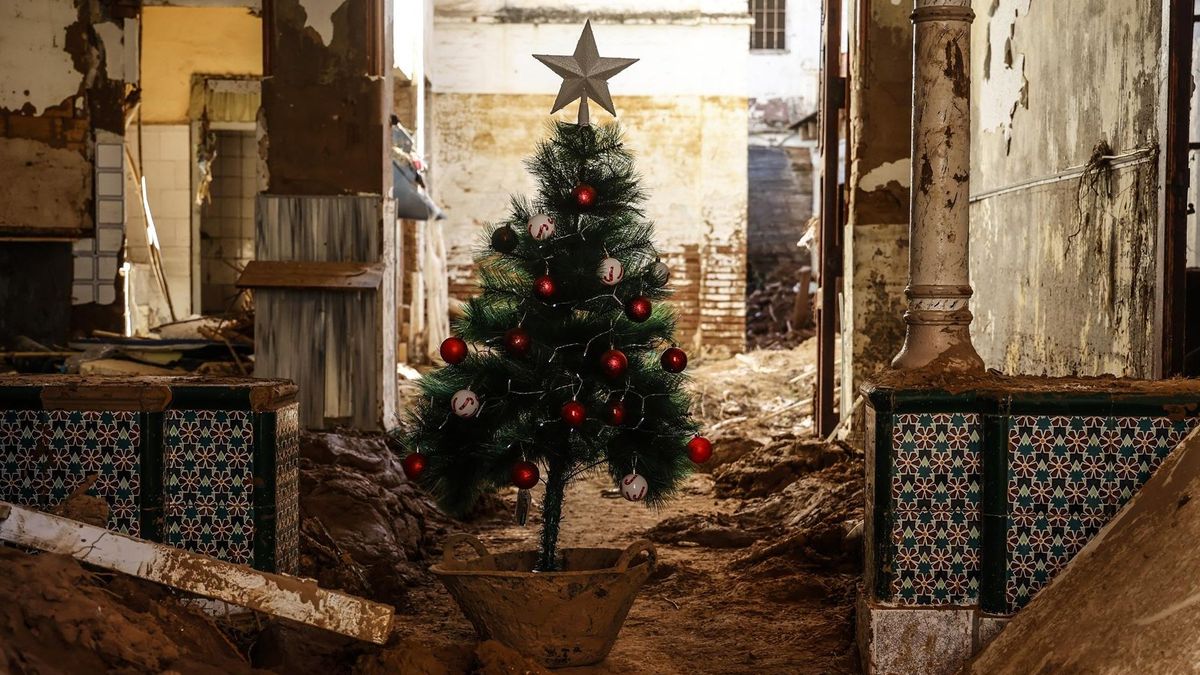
[759,561]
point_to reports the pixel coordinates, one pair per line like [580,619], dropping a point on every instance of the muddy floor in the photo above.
[759,560]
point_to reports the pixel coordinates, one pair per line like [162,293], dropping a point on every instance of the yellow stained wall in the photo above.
[178,42]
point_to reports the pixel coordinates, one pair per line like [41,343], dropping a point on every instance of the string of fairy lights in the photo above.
[613,363]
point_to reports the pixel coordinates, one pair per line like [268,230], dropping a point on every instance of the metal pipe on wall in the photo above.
[939,286]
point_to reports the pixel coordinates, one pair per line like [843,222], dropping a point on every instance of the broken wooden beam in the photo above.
[275,594]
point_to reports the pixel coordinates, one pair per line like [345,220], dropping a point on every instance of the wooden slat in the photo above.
[311,274]
[276,594]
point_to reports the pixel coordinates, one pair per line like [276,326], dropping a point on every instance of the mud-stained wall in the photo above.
[876,240]
[1063,240]
[178,42]
[683,107]
[56,92]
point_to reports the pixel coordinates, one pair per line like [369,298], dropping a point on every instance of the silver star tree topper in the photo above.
[585,75]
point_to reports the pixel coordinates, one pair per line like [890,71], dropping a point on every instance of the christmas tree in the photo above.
[575,368]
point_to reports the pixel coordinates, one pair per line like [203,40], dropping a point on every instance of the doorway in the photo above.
[227,218]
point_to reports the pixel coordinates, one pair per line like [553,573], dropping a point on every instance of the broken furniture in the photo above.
[981,490]
[288,597]
[204,464]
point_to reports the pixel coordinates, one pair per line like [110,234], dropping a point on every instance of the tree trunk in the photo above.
[556,485]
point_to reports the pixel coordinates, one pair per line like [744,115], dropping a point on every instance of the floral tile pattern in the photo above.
[287,489]
[1067,477]
[208,482]
[935,491]
[46,455]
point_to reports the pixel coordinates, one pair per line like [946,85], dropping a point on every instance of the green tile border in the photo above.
[263,507]
[153,467]
[993,551]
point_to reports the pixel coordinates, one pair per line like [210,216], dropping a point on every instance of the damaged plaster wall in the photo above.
[56,92]
[876,239]
[683,107]
[1063,240]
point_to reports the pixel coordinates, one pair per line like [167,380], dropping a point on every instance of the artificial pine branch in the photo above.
[522,396]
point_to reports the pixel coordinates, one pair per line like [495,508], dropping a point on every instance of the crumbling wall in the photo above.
[685,117]
[876,240]
[61,97]
[1065,185]
[57,91]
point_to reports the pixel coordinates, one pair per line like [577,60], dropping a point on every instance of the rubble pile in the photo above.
[778,315]
[365,529]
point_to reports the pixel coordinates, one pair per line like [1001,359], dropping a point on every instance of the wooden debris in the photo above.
[276,594]
[123,367]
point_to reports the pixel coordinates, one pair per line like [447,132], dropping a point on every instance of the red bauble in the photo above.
[699,449]
[543,287]
[584,194]
[413,465]
[453,350]
[517,342]
[638,309]
[524,474]
[614,411]
[674,360]
[613,362]
[573,413]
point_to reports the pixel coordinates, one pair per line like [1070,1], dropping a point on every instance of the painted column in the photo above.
[939,288]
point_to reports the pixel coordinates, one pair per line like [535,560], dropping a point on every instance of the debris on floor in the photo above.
[364,527]
[779,314]
[58,617]
[202,345]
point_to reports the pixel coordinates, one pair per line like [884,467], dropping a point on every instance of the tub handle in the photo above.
[633,550]
[455,539]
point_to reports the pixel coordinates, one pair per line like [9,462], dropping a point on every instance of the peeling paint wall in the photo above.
[683,107]
[876,238]
[1062,258]
[57,91]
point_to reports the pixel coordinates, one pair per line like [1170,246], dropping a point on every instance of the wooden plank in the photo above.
[311,274]
[275,594]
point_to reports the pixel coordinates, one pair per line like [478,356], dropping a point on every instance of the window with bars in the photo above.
[768,30]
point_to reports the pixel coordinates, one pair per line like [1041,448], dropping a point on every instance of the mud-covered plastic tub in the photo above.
[565,618]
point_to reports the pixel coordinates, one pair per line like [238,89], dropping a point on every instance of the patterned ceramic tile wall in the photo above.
[1067,476]
[209,479]
[935,493]
[46,455]
[287,489]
